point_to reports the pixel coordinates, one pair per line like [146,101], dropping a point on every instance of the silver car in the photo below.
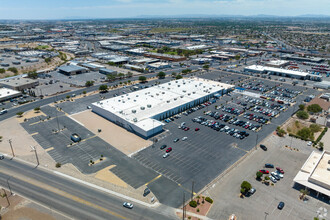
[166,155]
[272,179]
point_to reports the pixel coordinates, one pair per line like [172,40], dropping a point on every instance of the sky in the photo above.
[62,9]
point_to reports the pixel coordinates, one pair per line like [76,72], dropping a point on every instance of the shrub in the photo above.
[208,199]
[197,210]
[322,134]
[266,177]
[259,175]
[315,108]
[306,133]
[315,128]
[193,204]
[302,107]
[302,115]
[58,165]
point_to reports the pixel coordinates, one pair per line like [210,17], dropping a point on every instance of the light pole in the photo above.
[266,214]
[11,146]
[35,151]
[11,192]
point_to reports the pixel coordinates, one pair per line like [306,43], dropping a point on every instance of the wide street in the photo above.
[71,198]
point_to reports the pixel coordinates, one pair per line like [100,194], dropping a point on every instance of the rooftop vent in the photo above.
[133,111]
[175,99]
[168,101]
[149,106]
[142,108]
[135,119]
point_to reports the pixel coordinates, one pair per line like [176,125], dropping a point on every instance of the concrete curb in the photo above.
[156,204]
[194,215]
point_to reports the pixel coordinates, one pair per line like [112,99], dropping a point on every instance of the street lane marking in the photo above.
[185,189]
[157,177]
[35,133]
[49,149]
[67,195]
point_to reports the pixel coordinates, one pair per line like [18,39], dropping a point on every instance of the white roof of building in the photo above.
[4,92]
[140,106]
[277,62]
[315,173]
[274,69]
[158,64]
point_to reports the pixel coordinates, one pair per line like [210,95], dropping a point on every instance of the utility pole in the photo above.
[35,151]
[11,192]
[183,207]
[5,194]
[192,191]
[11,146]
[257,142]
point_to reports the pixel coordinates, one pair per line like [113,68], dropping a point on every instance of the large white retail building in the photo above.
[141,112]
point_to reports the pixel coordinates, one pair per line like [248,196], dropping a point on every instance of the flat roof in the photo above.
[314,173]
[4,92]
[70,68]
[144,104]
[274,69]
[18,81]
[277,62]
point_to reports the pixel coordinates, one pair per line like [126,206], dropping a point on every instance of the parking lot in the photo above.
[263,203]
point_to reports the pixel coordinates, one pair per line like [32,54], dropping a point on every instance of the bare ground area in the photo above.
[115,135]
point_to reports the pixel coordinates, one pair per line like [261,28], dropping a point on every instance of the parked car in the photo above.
[264,171]
[2,156]
[280,170]
[184,138]
[176,140]
[275,175]
[163,146]
[279,174]
[272,179]
[168,150]
[252,191]
[196,129]
[281,205]
[269,165]
[128,205]
[263,147]
[166,155]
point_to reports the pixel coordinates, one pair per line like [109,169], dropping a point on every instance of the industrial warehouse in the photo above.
[140,111]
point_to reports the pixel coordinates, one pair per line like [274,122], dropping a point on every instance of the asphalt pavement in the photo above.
[71,198]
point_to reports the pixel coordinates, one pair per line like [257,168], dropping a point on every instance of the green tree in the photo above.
[103,88]
[142,79]
[48,59]
[37,109]
[84,92]
[33,75]
[302,107]
[19,114]
[129,74]
[315,108]
[89,83]
[2,70]
[161,75]
[173,74]
[246,186]
[237,57]
[206,67]
[321,146]
[13,69]
[302,115]
[259,175]
[315,128]
[305,133]
[111,77]
[178,77]
[121,75]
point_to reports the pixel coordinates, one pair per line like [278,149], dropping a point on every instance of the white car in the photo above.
[184,138]
[128,205]
[272,179]
[2,156]
[275,175]
[309,143]
[166,155]
[279,174]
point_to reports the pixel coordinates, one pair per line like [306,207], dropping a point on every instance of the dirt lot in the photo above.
[115,135]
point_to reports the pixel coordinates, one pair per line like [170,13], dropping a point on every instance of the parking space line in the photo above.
[157,177]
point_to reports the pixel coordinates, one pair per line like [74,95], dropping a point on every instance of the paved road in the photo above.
[70,198]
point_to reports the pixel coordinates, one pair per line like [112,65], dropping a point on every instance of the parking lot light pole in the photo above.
[11,146]
[11,192]
[35,151]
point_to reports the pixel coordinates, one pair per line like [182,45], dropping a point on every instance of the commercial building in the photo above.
[92,66]
[6,94]
[158,65]
[277,63]
[168,57]
[141,111]
[201,60]
[107,71]
[72,70]
[315,174]
[302,59]
[19,83]
[282,72]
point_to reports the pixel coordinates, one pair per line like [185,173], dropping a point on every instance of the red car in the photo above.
[264,171]
[186,129]
[280,170]
[168,150]
[196,129]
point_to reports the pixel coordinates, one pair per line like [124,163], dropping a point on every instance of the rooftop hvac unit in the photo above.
[189,94]
[163,92]
[176,81]
[175,99]
[133,111]
[194,92]
[157,94]
[178,85]
[137,95]
[195,85]
[134,100]
[184,90]
[121,112]
[168,101]
[328,161]
[328,168]
[181,96]
[169,83]
[142,108]
[149,106]
[135,119]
